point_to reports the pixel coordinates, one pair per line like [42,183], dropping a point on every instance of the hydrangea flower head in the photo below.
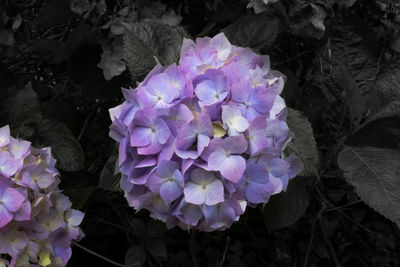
[201,140]
[37,224]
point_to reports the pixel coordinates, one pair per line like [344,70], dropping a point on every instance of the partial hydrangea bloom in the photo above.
[200,141]
[37,224]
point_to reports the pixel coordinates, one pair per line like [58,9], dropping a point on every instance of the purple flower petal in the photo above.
[5,216]
[141,137]
[233,168]
[214,193]
[194,193]
[12,199]
[4,136]
[169,191]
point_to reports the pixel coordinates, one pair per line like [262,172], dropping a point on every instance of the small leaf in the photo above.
[135,256]
[23,110]
[146,40]
[303,143]
[64,146]
[307,20]
[109,179]
[287,207]
[257,31]
[374,172]
[157,248]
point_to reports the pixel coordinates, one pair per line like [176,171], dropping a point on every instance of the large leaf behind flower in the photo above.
[287,207]
[109,177]
[65,148]
[257,31]
[375,174]
[303,143]
[148,40]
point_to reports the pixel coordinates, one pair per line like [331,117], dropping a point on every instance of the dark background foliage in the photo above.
[341,60]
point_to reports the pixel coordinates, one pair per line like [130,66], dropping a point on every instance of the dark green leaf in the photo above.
[110,177]
[54,12]
[146,40]
[287,207]
[65,148]
[78,187]
[257,31]
[138,228]
[23,111]
[303,143]
[307,20]
[157,248]
[375,175]
[135,256]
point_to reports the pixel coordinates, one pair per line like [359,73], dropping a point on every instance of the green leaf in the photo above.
[257,31]
[138,228]
[65,148]
[78,187]
[110,177]
[23,111]
[157,248]
[54,12]
[307,20]
[286,208]
[375,175]
[387,85]
[135,256]
[148,40]
[303,143]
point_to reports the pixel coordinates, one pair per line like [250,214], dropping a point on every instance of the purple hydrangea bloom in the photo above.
[37,224]
[201,140]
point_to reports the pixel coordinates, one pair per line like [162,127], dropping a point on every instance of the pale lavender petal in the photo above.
[232,168]
[257,193]
[206,92]
[278,167]
[141,137]
[12,199]
[194,193]
[235,144]
[258,135]
[202,142]
[186,137]
[75,218]
[8,165]
[214,193]
[45,179]
[202,177]
[153,148]
[19,148]
[216,159]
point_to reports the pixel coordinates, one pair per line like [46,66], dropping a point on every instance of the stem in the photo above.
[102,257]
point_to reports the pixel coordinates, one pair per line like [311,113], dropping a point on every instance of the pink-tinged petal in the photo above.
[12,199]
[44,180]
[162,131]
[194,193]
[216,159]
[214,193]
[5,216]
[232,168]
[202,142]
[75,218]
[169,191]
[4,136]
[235,144]
[141,137]
[186,137]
